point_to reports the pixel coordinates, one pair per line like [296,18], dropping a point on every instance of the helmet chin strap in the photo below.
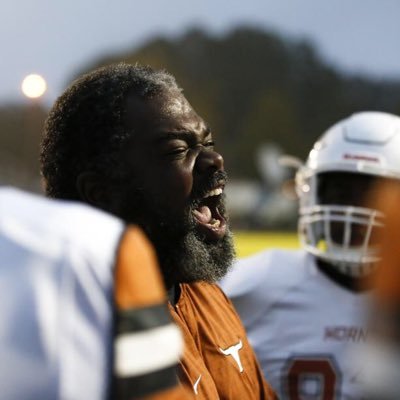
[359,283]
[355,270]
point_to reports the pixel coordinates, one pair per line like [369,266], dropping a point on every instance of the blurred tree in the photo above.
[251,86]
[20,131]
[254,86]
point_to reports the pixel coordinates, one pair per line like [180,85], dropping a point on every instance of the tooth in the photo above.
[214,192]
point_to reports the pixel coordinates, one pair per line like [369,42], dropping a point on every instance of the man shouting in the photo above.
[124,138]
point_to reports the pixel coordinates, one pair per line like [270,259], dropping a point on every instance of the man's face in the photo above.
[174,187]
[346,189]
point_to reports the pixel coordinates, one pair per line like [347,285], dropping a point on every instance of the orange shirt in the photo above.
[218,361]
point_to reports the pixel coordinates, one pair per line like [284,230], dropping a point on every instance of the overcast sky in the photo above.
[55,38]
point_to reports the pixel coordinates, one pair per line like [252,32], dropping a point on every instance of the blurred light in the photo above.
[33,86]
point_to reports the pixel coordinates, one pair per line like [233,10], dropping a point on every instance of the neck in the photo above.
[173,294]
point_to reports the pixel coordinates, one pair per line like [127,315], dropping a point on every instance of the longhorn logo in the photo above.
[234,352]
[196,384]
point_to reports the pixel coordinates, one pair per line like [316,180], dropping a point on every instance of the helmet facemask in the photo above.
[334,225]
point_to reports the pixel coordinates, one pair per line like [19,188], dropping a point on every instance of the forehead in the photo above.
[345,178]
[345,187]
[347,182]
[166,111]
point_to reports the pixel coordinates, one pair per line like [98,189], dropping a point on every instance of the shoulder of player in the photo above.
[204,295]
[268,269]
[48,225]
[209,300]
[205,292]
[270,258]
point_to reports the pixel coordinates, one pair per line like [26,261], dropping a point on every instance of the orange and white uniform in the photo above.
[82,301]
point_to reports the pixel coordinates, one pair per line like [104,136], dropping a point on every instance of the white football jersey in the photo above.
[303,326]
[56,277]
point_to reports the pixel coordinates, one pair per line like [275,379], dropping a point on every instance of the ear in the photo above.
[94,190]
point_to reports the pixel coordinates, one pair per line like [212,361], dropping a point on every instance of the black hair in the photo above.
[85,131]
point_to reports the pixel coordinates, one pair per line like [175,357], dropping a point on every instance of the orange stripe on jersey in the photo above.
[138,280]
[388,272]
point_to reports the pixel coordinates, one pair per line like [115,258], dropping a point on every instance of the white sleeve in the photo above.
[56,314]
[255,283]
[246,285]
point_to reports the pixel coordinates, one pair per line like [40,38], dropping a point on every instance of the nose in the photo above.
[209,160]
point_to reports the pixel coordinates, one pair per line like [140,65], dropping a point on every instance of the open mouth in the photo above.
[210,221]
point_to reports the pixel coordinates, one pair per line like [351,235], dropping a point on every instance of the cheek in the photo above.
[173,186]
[179,183]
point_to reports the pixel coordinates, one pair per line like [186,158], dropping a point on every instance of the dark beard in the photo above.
[186,257]
[183,254]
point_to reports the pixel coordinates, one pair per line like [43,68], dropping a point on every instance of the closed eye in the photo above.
[210,144]
[177,151]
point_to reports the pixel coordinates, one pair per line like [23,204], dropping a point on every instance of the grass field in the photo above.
[248,242]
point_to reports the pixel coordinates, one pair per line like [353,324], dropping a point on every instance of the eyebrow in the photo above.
[181,135]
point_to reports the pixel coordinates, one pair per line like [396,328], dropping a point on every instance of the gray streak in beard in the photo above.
[194,260]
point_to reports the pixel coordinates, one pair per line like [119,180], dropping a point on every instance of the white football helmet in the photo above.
[365,143]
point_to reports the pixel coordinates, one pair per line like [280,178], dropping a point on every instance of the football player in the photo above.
[83,312]
[303,310]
